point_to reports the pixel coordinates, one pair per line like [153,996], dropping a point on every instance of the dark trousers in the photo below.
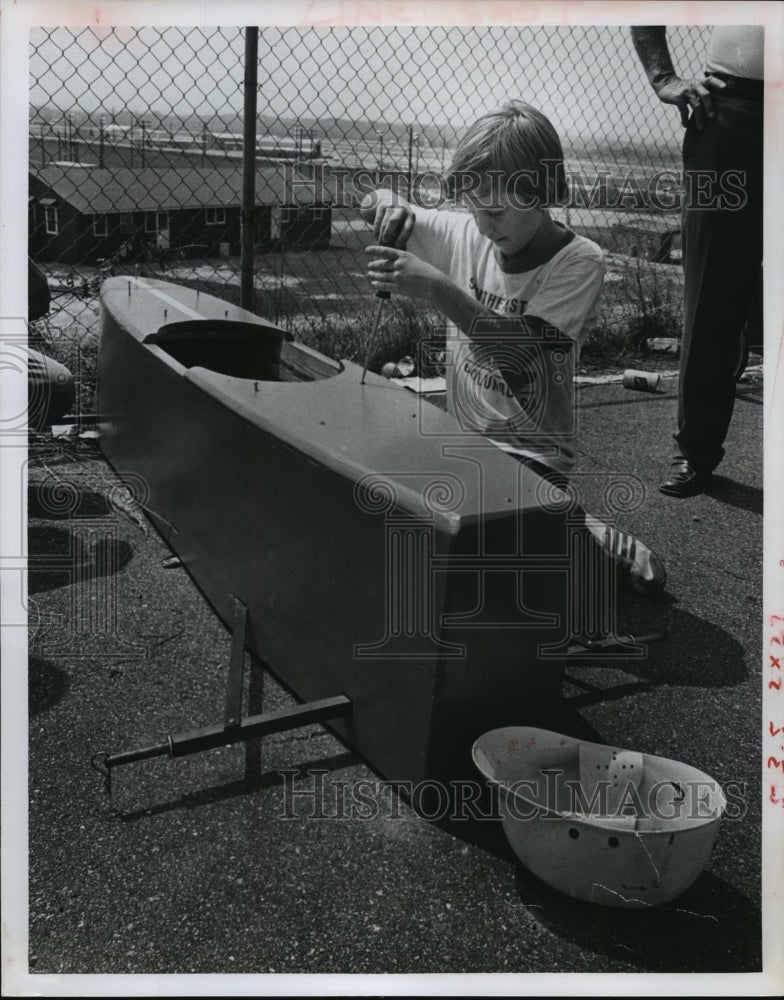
[722,258]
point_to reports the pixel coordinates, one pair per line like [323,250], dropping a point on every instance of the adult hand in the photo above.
[694,95]
[401,273]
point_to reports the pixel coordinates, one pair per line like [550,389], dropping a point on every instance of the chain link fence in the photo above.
[135,152]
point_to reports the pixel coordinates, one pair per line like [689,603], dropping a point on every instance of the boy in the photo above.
[506,257]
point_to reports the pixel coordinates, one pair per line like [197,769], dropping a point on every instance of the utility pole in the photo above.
[248,212]
[413,141]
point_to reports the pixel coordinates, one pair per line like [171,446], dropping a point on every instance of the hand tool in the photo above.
[387,241]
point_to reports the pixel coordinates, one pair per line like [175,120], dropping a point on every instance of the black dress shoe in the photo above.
[685,480]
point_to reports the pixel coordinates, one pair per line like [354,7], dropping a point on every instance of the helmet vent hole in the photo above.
[574,834]
[612,841]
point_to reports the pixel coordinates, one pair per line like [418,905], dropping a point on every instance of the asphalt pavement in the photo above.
[248,860]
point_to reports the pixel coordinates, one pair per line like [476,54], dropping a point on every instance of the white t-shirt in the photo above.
[518,389]
[738,50]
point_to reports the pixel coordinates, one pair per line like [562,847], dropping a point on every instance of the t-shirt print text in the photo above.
[496,302]
[486,379]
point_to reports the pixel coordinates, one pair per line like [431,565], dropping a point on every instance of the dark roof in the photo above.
[149,189]
[650,224]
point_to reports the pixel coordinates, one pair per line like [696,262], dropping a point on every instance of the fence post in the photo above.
[247,294]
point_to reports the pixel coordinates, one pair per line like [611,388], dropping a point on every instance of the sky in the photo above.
[587,79]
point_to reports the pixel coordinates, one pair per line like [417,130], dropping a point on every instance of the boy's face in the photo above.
[503,219]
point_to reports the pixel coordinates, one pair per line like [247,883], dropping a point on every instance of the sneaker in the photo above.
[639,568]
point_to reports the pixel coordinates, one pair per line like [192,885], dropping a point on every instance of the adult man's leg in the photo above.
[722,254]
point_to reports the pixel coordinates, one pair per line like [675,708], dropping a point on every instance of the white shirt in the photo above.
[738,50]
[538,420]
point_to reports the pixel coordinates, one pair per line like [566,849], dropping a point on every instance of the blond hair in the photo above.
[517,146]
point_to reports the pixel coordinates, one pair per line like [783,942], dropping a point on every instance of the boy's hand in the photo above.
[394,224]
[401,273]
[390,215]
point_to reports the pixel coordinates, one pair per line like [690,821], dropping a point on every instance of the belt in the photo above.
[742,87]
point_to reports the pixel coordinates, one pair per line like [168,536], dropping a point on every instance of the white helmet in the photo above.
[602,824]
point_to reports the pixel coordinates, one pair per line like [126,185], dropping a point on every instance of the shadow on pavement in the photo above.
[736,494]
[710,928]
[253,782]
[58,557]
[692,653]
[696,653]
[54,501]
[46,684]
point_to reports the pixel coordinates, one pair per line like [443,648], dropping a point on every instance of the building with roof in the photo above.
[80,213]
[652,237]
